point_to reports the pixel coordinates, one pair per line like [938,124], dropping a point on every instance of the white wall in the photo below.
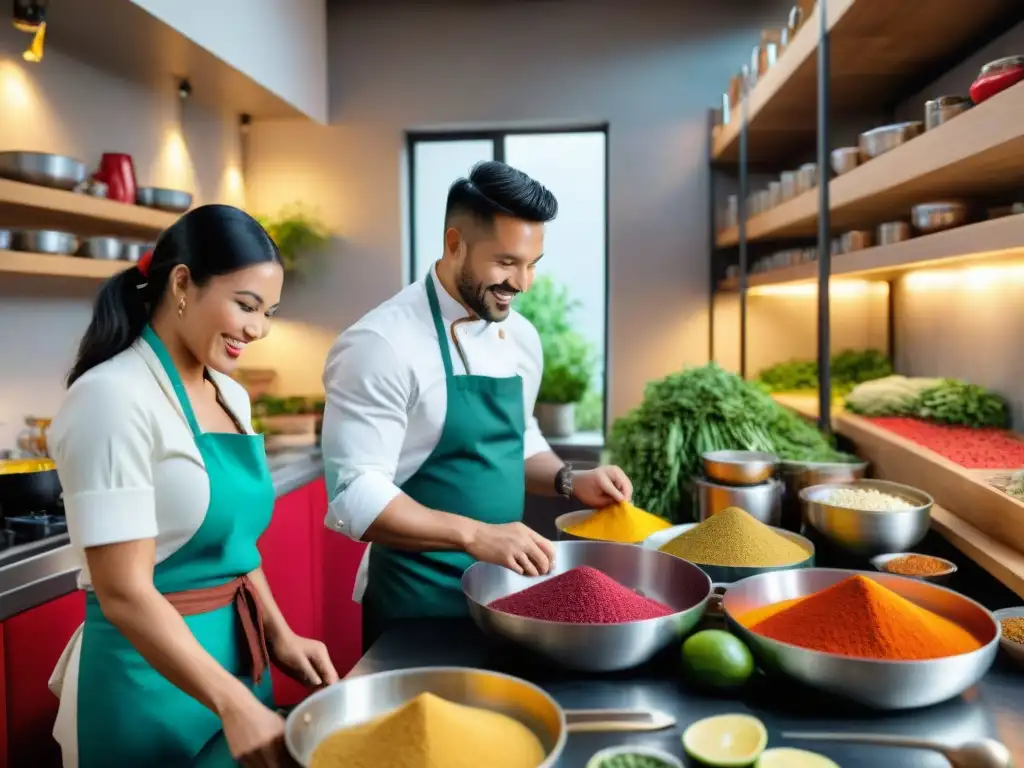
[651,69]
[281,44]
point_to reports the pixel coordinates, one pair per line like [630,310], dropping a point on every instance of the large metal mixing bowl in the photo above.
[879,684]
[763,501]
[595,647]
[869,533]
[356,700]
[725,575]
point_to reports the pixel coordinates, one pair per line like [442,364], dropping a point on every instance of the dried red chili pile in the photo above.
[970,448]
[582,595]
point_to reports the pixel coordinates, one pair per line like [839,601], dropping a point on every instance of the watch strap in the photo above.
[563,481]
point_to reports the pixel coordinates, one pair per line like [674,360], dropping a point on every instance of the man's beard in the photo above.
[474,295]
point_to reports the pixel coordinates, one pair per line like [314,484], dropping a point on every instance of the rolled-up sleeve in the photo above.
[102,443]
[365,419]
[533,370]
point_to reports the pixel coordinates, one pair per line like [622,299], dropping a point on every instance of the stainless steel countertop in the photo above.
[33,574]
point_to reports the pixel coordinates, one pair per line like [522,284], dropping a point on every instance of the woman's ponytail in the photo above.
[118,317]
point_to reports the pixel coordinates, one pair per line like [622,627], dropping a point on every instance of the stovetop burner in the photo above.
[31,527]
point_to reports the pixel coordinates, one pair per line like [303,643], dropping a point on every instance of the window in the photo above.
[573,165]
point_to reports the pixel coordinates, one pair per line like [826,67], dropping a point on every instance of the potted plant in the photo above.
[296,233]
[569,361]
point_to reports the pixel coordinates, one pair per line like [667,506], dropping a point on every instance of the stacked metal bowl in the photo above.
[743,479]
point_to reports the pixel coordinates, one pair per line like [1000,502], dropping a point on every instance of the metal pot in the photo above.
[761,501]
[937,216]
[28,485]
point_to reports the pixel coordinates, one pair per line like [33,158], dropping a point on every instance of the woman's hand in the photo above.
[255,734]
[303,659]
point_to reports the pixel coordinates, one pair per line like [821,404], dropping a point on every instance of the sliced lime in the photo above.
[787,757]
[726,741]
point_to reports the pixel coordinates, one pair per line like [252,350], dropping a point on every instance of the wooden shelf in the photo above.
[990,242]
[980,152]
[999,560]
[880,50]
[21,263]
[30,205]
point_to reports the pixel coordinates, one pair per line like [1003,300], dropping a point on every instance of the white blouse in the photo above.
[127,461]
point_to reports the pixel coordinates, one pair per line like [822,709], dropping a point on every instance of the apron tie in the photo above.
[242,593]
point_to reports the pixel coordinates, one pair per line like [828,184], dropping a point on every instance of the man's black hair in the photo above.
[494,188]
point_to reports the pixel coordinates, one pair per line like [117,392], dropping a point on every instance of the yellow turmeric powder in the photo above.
[620,522]
[427,732]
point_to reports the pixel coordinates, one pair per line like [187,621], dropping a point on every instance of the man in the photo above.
[429,440]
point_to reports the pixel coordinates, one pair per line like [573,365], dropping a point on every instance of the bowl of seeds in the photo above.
[1011,632]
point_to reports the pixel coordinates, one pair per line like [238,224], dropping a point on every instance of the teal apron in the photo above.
[128,713]
[477,470]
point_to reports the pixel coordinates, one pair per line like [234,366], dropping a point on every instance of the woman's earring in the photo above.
[181,307]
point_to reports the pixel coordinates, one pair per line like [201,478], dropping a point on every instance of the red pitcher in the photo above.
[118,172]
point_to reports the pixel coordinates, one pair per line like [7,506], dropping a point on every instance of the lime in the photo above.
[726,741]
[787,757]
[716,659]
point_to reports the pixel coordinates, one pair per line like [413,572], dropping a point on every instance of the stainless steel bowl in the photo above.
[46,170]
[594,647]
[170,200]
[724,575]
[935,217]
[356,700]
[568,520]
[739,467]
[656,756]
[880,561]
[845,159]
[886,138]
[107,248]
[892,232]
[763,501]
[132,250]
[943,109]
[44,241]
[1014,650]
[879,684]
[869,533]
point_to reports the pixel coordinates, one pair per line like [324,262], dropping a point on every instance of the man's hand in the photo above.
[602,487]
[513,545]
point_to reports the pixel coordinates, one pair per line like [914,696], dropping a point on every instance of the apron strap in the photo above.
[172,373]
[442,336]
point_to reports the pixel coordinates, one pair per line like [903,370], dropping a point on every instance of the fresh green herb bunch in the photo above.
[956,402]
[848,368]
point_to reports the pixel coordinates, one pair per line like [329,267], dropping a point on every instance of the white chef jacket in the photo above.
[387,398]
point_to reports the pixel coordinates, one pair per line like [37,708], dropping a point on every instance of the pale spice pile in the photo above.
[866,500]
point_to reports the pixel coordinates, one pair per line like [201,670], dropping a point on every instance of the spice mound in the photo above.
[427,732]
[620,522]
[917,565]
[859,617]
[1013,629]
[582,595]
[735,538]
[867,500]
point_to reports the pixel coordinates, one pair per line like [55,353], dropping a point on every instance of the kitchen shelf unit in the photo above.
[987,525]
[44,264]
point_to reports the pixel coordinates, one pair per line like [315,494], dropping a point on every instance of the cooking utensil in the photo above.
[997,76]
[132,250]
[724,575]
[879,684]
[868,533]
[617,720]
[855,240]
[46,170]
[602,758]
[892,232]
[763,501]
[107,248]
[43,241]
[356,700]
[1014,650]
[943,109]
[845,159]
[117,171]
[879,562]
[938,216]
[886,138]
[594,647]
[985,753]
[170,200]
[28,485]
[739,467]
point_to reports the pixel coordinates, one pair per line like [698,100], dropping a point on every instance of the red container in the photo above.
[997,76]
[117,171]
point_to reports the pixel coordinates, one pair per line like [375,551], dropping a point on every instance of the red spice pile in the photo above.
[970,448]
[582,595]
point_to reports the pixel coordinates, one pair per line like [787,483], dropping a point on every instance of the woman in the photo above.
[167,490]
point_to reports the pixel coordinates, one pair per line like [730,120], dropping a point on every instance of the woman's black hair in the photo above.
[210,240]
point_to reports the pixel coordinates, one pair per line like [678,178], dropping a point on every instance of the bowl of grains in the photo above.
[1011,632]
[868,517]
[937,570]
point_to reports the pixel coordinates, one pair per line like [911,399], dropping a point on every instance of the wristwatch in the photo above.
[563,481]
